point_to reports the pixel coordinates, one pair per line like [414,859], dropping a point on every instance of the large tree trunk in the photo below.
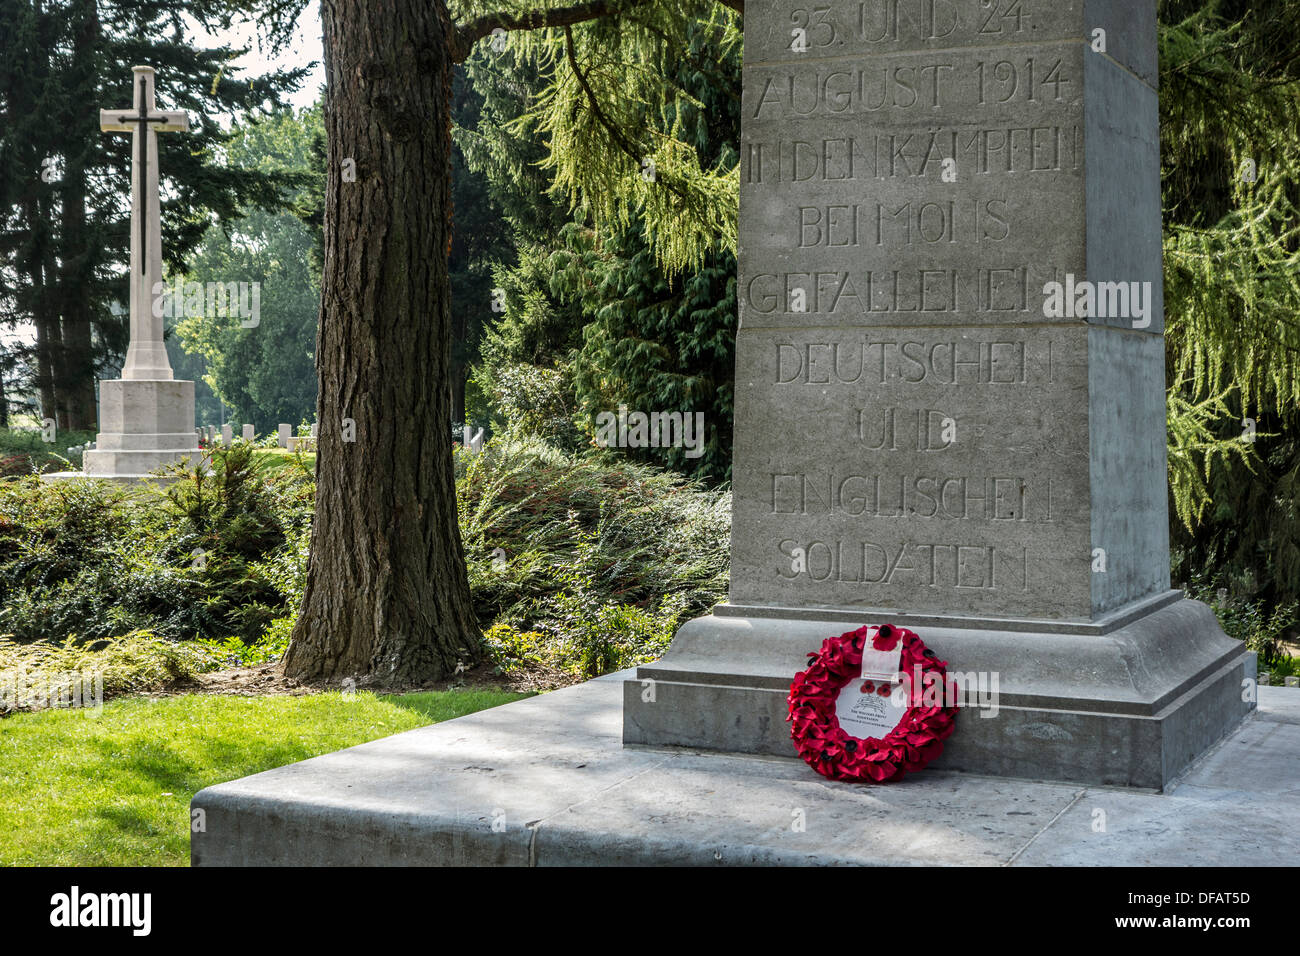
[44,371]
[77,380]
[387,594]
[46,322]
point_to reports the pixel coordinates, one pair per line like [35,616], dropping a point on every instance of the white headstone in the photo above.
[285,433]
[248,433]
[227,435]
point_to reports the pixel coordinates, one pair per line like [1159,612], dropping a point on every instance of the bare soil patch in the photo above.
[268,680]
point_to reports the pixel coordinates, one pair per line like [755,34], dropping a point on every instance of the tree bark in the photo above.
[44,318]
[387,594]
[77,380]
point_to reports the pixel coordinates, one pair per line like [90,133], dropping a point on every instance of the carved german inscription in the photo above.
[912,428]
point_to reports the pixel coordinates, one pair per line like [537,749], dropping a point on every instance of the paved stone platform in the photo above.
[546,782]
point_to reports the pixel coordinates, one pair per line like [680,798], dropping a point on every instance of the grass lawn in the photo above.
[114,790]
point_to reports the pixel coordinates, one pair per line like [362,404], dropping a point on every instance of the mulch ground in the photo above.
[268,681]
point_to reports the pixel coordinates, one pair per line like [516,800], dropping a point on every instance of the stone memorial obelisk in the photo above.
[146,418]
[949,405]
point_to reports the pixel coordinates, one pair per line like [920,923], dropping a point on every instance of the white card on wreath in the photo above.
[865,713]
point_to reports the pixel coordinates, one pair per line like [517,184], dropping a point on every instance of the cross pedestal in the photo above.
[146,418]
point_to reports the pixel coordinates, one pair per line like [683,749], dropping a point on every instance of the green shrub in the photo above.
[134,662]
[234,652]
[595,564]
[512,650]
[1251,622]
[603,560]
[213,555]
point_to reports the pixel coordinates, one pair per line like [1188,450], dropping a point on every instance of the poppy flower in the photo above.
[886,638]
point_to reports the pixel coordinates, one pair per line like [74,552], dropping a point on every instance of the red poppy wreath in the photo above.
[916,698]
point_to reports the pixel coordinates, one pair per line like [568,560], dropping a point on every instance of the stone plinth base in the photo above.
[144,425]
[546,782]
[134,464]
[1130,700]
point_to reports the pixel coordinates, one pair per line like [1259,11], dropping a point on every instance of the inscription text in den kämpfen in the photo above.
[971,111]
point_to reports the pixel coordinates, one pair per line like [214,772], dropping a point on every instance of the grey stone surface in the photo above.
[146,354]
[143,425]
[881,300]
[551,773]
[889,514]
[1128,466]
[852,28]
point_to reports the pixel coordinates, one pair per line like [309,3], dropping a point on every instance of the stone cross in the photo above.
[146,356]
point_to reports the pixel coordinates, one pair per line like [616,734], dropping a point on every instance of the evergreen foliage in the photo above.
[264,373]
[1230,131]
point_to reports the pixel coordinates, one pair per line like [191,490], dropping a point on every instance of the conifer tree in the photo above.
[1230,129]
[387,594]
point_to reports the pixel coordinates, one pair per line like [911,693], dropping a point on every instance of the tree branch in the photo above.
[466,35]
[616,134]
